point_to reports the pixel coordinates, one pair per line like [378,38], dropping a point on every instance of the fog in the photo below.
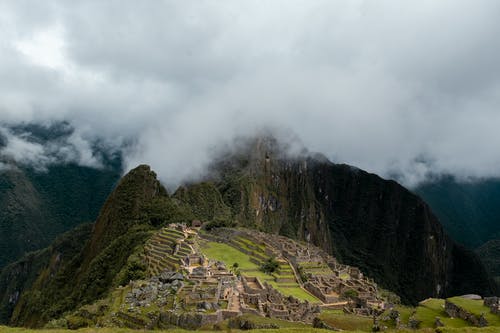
[407,90]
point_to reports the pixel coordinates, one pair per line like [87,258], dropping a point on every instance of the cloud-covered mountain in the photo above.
[381,85]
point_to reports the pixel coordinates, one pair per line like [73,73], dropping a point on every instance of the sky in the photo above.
[403,89]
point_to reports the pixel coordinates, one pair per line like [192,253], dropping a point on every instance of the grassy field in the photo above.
[428,310]
[124,330]
[229,255]
[476,307]
[337,319]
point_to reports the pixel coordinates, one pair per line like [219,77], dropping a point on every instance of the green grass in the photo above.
[476,307]
[470,330]
[338,319]
[405,312]
[127,330]
[429,309]
[229,255]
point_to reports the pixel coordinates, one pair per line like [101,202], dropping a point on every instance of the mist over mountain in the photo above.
[383,86]
[263,185]
[46,191]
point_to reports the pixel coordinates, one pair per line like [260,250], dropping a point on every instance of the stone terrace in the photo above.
[320,273]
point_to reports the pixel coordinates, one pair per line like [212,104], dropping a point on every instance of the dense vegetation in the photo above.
[470,211]
[22,274]
[490,255]
[37,205]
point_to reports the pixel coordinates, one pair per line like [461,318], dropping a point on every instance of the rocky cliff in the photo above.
[364,220]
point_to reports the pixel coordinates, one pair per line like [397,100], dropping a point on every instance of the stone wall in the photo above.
[455,311]
[190,321]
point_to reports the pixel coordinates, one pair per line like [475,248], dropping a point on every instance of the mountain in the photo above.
[37,205]
[363,220]
[469,211]
[83,269]
[489,253]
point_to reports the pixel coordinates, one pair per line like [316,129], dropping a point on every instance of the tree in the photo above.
[270,266]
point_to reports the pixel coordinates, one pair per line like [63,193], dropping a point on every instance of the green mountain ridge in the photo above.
[361,219]
[470,211]
[37,205]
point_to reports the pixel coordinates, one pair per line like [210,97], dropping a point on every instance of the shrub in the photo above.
[270,266]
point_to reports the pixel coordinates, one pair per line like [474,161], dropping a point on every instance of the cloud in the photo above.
[405,90]
[26,149]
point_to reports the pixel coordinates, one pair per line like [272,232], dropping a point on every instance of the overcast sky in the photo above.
[393,87]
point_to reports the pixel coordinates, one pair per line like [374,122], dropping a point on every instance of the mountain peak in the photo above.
[123,207]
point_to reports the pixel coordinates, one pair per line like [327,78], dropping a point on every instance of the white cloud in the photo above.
[400,89]
[23,149]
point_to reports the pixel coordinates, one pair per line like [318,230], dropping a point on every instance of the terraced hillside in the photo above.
[249,258]
[165,250]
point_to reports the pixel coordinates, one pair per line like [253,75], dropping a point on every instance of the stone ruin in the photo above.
[207,292]
[493,303]
[155,291]
[264,300]
[325,278]
[455,311]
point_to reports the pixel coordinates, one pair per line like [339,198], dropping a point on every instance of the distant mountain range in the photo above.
[36,206]
[470,213]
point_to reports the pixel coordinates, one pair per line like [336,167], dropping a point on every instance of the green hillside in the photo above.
[37,204]
[470,211]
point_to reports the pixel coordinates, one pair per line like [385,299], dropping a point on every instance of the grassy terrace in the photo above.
[229,255]
[160,247]
[476,307]
[428,310]
[337,319]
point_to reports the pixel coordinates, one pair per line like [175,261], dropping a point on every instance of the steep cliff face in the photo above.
[363,219]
